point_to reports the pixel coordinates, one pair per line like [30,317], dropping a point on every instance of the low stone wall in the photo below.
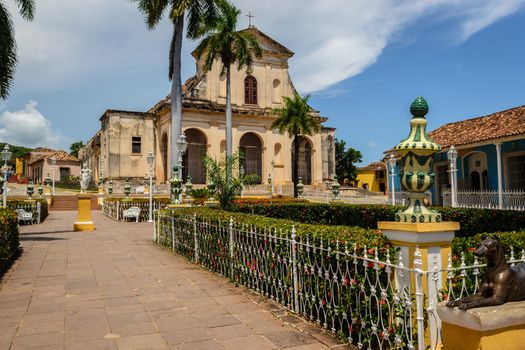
[486,328]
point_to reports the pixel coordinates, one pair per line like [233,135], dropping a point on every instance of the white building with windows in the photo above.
[119,149]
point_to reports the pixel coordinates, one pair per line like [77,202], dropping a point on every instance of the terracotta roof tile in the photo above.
[493,126]
[59,155]
[374,166]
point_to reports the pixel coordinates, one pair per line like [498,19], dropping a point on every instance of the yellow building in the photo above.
[19,167]
[119,149]
[373,177]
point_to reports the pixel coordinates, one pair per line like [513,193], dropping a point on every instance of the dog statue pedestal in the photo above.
[486,328]
[84,222]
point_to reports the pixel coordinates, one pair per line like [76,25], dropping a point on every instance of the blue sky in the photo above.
[363,62]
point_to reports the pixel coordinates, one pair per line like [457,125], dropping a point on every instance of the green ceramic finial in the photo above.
[419,108]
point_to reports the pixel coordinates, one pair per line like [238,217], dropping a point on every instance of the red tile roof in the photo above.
[59,155]
[506,123]
[374,166]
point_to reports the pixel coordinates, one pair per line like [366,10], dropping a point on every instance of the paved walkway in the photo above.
[114,289]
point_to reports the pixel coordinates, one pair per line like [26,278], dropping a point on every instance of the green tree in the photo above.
[75,147]
[223,41]
[346,158]
[296,119]
[8,57]
[197,12]
[226,187]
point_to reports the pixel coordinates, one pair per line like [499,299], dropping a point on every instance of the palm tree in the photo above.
[224,42]
[198,12]
[296,119]
[8,44]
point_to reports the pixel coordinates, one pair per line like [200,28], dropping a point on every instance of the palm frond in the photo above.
[152,10]
[295,117]
[27,8]
[7,52]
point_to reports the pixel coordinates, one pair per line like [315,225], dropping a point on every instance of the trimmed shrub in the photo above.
[252,179]
[328,233]
[472,221]
[9,240]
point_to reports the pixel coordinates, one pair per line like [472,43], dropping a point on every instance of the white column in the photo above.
[500,181]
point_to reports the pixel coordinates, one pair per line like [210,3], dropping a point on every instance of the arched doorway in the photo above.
[250,152]
[164,155]
[192,162]
[305,160]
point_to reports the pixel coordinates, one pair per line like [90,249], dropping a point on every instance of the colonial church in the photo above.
[119,149]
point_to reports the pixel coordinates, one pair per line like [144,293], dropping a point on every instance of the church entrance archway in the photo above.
[250,152]
[164,155]
[305,160]
[192,161]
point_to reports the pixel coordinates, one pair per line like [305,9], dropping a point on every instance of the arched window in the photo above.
[250,151]
[250,90]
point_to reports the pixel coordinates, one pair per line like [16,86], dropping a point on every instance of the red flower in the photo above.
[382,302]
[370,264]
[323,302]
[346,281]
[472,249]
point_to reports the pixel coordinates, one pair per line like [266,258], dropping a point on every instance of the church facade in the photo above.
[119,149]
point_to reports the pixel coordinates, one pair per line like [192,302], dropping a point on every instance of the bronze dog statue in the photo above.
[502,283]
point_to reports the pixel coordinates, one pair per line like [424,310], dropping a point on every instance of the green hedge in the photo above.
[9,240]
[329,233]
[472,221]
[44,210]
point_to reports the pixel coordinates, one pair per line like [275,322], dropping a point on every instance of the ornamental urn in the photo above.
[417,166]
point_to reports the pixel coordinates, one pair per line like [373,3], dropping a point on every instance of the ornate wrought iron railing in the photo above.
[33,208]
[360,294]
[115,209]
[487,199]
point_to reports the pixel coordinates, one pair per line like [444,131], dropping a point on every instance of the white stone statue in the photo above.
[85,178]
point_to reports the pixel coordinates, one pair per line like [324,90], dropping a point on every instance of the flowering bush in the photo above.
[8,237]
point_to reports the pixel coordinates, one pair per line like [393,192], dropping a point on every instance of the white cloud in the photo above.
[27,127]
[372,144]
[71,41]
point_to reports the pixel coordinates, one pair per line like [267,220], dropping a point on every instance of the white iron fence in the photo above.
[34,209]
[359,294]
[487,199]
[115,209]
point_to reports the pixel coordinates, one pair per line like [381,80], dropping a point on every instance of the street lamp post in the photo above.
[392,163]
[151,159]
[6,155]
[452,157]
[182,146]
[273,177]
[53,164]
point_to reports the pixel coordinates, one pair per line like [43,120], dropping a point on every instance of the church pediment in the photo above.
[268,44]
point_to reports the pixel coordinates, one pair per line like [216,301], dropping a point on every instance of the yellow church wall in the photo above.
[19,166]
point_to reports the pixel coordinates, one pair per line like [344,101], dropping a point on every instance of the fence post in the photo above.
[173,234]
[118,209]
[294,270]
[230,231]
[196,256]
[419,300]
[155,226]
[38,211]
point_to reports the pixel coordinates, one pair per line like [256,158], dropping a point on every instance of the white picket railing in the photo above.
[115,209]
[33,208]
[487,199]
[348,290]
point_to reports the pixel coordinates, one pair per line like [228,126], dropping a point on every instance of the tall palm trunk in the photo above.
[229,141]
[176,89]
[295,161]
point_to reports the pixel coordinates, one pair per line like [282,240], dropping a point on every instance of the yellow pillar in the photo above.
[434,242]
[84,222]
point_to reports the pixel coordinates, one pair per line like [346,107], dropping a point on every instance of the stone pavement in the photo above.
[115,289]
